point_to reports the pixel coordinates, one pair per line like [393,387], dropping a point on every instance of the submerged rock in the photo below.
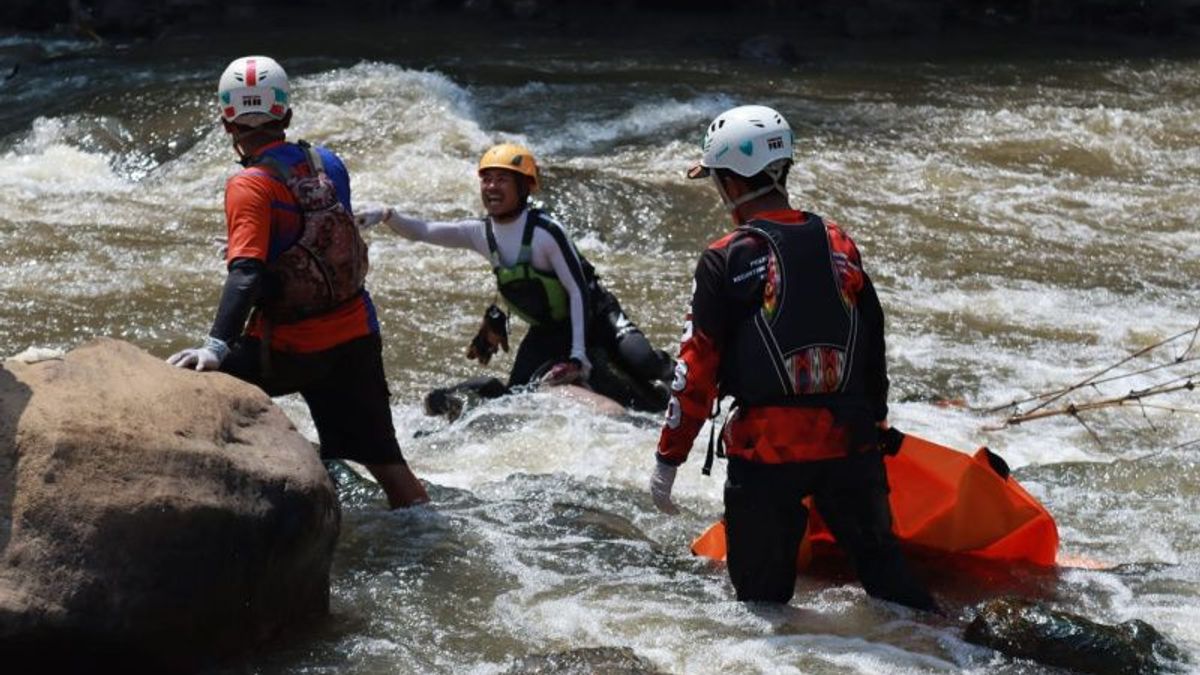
[1028,630]
[585,661]
[152,515]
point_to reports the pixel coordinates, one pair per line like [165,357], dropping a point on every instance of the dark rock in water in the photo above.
[151,516]
[585,661]
[354,487]
[1025,629]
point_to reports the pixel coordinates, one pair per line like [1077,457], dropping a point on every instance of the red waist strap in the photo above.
[775,435]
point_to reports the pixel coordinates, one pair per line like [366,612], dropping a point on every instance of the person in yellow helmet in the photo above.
[578,332]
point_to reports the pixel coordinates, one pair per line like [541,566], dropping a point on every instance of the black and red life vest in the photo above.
[802,347]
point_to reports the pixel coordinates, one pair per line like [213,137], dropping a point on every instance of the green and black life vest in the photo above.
[536,296]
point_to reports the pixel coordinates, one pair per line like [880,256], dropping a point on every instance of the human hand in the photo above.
[572,371]
[370,216]
[206,357]
[198,358]
[661,482]
[890,439]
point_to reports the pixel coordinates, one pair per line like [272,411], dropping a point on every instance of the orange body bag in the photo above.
[943,501]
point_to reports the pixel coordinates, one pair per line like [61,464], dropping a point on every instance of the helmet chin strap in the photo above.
[731,204]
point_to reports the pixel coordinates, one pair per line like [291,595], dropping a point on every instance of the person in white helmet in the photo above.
[294,315]
[785,320]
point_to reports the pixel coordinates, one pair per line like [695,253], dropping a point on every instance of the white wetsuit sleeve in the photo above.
[570,275]
[458,234]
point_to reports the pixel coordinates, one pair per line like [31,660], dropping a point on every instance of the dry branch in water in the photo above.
[1185,382]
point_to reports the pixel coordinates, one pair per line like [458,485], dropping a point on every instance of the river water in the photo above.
[1027,220]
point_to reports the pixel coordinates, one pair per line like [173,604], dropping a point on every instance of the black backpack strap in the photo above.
[314,158]
[493,248]
[712,436]
[526,252]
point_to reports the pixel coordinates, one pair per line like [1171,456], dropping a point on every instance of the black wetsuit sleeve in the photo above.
[876,375]
[725,285]
[708,303]
[241,292]
[729,286]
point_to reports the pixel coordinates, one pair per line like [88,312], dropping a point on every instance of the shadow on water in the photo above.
[14,397]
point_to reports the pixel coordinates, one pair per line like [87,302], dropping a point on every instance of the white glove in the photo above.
[371,216]
[661,482]
[206,357]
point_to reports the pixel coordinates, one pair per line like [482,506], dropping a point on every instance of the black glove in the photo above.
[492,335]
[890,440]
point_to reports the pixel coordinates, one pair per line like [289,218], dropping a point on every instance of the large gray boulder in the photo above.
[152,515]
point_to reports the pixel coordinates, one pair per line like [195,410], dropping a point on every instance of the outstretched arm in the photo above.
[458,234]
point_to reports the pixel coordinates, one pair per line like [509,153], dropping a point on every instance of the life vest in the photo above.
[802,347]
[327,264]
[536,296]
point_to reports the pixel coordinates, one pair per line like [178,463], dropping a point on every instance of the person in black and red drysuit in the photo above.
[786,322]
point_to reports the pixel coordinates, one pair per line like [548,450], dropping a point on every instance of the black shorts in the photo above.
[344,387]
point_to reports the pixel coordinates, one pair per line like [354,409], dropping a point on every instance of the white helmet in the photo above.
[253,90]
[744,140]
[747,140]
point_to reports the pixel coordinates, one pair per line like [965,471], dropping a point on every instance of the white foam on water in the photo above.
[45,166]
[410,138]
[642,120]
[656,165]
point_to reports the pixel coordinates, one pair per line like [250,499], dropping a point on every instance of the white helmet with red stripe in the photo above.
[253,90]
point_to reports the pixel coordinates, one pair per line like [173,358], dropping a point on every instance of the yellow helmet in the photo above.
[514,158]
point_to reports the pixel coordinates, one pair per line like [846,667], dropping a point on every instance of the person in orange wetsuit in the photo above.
[284,323]
[784,320]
